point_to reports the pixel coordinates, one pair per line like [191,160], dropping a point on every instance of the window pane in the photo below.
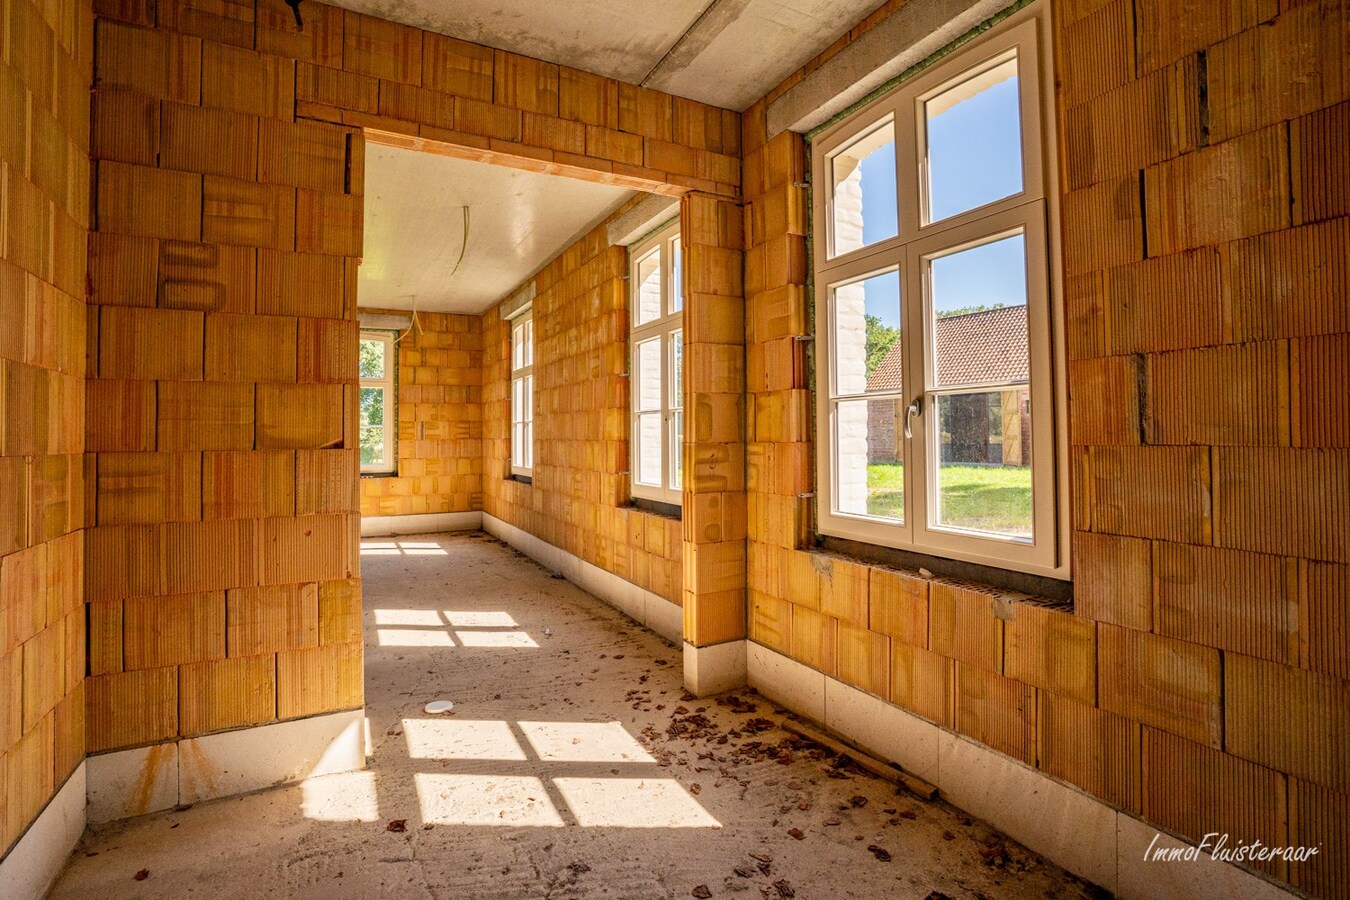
[522,422]
[677,354]
[648,305]
[372,445]
[984,470]
[649,449]
[867,335]
[372,406]
[980,314]
[677,287]
[648,359]
[974,142]
[677,449]
[372,359]
[869,458]
[864,198]
[522,343]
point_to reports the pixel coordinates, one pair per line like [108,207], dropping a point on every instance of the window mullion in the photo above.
[913,346]
[665,406]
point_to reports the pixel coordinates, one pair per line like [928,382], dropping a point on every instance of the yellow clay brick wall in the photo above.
[440,422]
[579,496]
[46,57]
[1205,229]
[1200,681]
[222,474]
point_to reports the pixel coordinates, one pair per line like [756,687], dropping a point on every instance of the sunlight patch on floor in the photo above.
[412,637]
[402,548]
[633,803]
[346,797]
[499,639]
[584,742]
[422,617]
[485,800]
[474,619]
[428,628]
[461,739]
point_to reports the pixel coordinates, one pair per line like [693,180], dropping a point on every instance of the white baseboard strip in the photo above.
[31,866]
[644,607]
[426,523]
[149,779]
[714,669]
[1062,823]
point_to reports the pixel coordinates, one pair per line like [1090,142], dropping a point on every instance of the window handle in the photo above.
[915,408]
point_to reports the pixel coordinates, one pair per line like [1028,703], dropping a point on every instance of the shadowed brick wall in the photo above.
[1200,680]
[440,422]
[46,57]
[223,588]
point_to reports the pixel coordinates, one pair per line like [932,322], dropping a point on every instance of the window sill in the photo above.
[1037,586]
[657,508]
[393,474]
[523,479]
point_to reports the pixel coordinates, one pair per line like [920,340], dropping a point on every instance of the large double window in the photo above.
[936,406]
[656,377]
[522,394]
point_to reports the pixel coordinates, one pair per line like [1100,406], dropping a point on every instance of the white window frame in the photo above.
[1032,213]
[522,392]
[667,329]
[389,463]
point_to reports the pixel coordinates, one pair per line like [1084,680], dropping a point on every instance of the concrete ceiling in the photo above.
[414,228]
[728,53]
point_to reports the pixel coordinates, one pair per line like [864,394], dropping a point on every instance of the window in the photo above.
[522,394]
[378,399]
[936,369]
[656,367]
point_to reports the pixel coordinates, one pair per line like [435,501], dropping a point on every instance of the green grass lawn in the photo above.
[886,490]
[983,498]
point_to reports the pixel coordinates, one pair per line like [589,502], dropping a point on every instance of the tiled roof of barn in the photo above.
[978,347]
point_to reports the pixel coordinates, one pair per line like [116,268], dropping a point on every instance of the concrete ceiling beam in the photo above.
[714,19]
[906,37]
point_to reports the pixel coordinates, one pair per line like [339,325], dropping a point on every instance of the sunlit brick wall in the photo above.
[579,496]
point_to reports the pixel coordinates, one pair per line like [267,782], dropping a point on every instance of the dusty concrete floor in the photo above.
[573,765]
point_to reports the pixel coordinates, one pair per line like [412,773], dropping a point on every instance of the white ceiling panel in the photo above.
[414,228]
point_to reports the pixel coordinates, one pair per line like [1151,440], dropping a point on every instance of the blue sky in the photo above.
[882,298]
[975,152]
[878,181]
[987,275]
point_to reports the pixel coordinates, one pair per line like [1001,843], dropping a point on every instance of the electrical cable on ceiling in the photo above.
[463,246]
[295,8]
